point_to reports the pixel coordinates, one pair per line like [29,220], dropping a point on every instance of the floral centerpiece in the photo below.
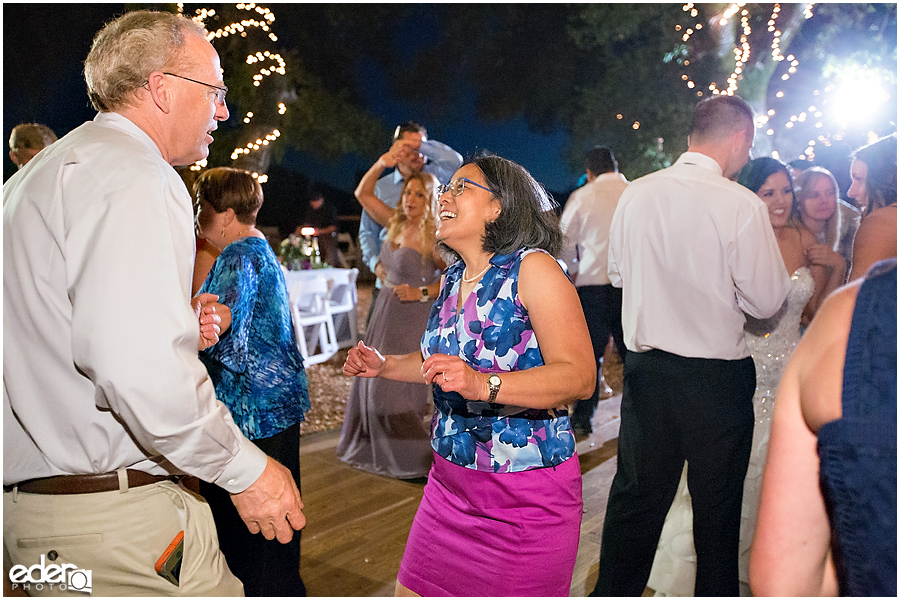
[293,252]
[299,252]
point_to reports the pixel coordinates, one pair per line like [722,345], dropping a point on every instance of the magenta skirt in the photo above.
[486,534]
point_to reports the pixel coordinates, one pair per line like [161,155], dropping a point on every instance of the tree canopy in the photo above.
[628,75]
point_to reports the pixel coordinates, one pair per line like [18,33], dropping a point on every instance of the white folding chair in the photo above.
[313,324]
[351,256]
[343,302]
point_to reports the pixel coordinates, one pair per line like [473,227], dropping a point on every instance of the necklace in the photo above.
[473,279]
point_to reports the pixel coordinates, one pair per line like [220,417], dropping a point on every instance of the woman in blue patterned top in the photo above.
[256,368]
[506,349]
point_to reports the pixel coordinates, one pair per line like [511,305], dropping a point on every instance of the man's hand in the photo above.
[272,504]
[204,308]
[401,151]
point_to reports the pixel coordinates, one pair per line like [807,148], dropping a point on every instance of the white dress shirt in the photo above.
[100,367]
[585,222]
[693,252]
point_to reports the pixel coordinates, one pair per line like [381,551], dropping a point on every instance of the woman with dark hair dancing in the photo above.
[506,348]
[874,188]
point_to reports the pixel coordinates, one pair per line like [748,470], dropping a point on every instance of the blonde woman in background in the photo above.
[384,427]
[831,220]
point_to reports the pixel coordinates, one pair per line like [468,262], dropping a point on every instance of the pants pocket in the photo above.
[62,541]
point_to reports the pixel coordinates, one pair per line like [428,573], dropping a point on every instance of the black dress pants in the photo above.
[602,306]
[676,409]
[265,567]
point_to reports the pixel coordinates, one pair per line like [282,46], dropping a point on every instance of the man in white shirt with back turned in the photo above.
[693,251]
[105,402]
[585,223]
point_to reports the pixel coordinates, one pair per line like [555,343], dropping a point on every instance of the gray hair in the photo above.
[128,49]
[31,136]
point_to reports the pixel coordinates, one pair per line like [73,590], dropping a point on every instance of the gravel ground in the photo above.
[329,389]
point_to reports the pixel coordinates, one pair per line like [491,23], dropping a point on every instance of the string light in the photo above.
[271,63]
[265,71]
[827,100]
[255,145]
[742,49]
[741,53]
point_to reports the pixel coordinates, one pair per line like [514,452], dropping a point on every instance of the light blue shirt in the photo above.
[443,161]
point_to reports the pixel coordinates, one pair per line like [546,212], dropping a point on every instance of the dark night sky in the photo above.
[44,49]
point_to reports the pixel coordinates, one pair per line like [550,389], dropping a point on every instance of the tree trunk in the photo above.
[756,76]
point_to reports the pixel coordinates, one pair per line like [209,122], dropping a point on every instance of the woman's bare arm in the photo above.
[569,372]
[365,191]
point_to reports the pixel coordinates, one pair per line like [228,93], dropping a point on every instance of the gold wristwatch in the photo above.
[494,383]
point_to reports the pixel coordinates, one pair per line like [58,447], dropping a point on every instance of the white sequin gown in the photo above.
[771,343]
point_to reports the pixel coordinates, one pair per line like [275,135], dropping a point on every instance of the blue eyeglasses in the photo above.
[457,186]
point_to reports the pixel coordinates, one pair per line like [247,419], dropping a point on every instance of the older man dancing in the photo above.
[105,401]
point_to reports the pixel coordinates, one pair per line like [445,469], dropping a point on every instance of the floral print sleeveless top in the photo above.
[493,334]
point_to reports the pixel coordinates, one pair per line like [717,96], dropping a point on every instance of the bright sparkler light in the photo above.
[856,98]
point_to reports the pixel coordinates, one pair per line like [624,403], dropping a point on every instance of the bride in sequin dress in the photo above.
[771,342]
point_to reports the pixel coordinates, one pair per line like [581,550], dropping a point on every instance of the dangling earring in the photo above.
[223,232]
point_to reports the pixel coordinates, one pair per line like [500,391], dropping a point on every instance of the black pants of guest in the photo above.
[602,306]
[676,409]
[265,567]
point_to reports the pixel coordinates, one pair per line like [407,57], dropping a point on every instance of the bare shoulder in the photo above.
[836,310]
[541,278]
[807,239]
[540,264]
[882,217]
[820,357]
[879,230]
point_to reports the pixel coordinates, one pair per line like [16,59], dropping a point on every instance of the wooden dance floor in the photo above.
[357,523]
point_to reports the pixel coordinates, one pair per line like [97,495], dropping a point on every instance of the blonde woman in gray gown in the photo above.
[384,429]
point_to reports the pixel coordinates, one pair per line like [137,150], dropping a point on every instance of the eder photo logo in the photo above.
[59,577]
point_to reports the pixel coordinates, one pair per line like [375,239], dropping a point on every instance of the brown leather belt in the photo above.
[88,484]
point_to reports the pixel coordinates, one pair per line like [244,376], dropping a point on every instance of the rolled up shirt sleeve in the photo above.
[758,270]
[369,240]
[444,160]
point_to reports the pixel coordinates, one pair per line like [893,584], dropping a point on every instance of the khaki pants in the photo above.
[118,537]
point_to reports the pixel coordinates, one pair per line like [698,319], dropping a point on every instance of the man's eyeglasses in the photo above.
[220,91]
[457,186]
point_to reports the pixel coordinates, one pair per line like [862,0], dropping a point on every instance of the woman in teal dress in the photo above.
[256,368]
